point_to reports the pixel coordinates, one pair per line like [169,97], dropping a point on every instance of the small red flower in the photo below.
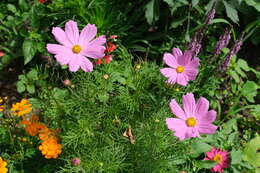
[2,54]
[41,1]
[99,61]
[113,37]
[110,47]
[108,58]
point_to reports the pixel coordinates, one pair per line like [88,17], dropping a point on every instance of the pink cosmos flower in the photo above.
[221,157]
[182,67]
[194,120]
[75,47]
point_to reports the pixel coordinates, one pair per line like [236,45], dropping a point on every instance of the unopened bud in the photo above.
[75,161]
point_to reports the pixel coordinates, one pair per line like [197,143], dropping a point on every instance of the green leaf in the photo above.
[177,22]
[35,102]
[30,88]
[151,11]
[250,152]
[220,20]
[256,112]
[194,3]
[199,147]
[254,4]
[32,75]
[23,5]
[236,156]
[249,90]
[231,12]
[243,64]
[234,75]
[20,87]
[28,50]
[239,71]
[207,164]
[11,8]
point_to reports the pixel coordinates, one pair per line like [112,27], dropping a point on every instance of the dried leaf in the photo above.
[128,134]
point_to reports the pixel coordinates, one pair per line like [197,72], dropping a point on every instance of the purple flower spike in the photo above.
[222,42]
[232,52]
[210,16]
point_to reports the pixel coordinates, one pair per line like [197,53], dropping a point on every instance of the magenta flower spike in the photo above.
[220,156]
[182,68]
[194,119]
[75,47]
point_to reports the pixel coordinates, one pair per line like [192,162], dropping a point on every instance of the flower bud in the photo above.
[75,161]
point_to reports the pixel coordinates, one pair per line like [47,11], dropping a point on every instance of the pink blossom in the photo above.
[2,54]
[74,47]
[194,119]
[221,157]
[182,67]
[75,161]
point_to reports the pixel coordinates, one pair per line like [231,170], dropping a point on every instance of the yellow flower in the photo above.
[2,102]
[50,148]
[21,108]
[3,165]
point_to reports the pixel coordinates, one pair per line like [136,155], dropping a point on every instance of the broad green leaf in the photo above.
[243,64]
[151,11]
[177,22]
[199,147]
[236,156]
[28,50]
[231,12]
[32,75]
[234,75]
[256,112]
[11,8]
[249,90]
[23,5]
[250,152]
[195,2]
[239,71]
[20,87]
[254,4]
[30,89]
[207,164]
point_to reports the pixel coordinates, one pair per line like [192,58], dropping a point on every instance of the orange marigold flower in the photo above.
[34,128]
[46,134]
[50,148]
[3,165]
[21,108]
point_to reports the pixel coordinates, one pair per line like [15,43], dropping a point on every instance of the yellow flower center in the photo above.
[217,158]
[191,122]
[76,49]
[180,69]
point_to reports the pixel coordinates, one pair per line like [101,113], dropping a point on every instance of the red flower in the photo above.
[110,47]
[41,1]
[99,61]
[108,58]
[113,36]
[2,54]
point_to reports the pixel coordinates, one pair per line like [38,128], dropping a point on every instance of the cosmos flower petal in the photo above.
[177,110]
[86,65]
[61,37]
[207,128]
[56,48]
[87,34]
[177,125]
[176,52]
[64,57]
[209,117]
[99,41]
[182,79]
[94,51]
[189,104]
[185,58]
[194,63]
[72,32]
[170,60]
[202,107]
[75,62]
[191,73]
[169,72]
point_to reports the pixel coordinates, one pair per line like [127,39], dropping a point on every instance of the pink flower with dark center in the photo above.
[74,47]
[194,119]
[221,157]
[182,67]
[75,161]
